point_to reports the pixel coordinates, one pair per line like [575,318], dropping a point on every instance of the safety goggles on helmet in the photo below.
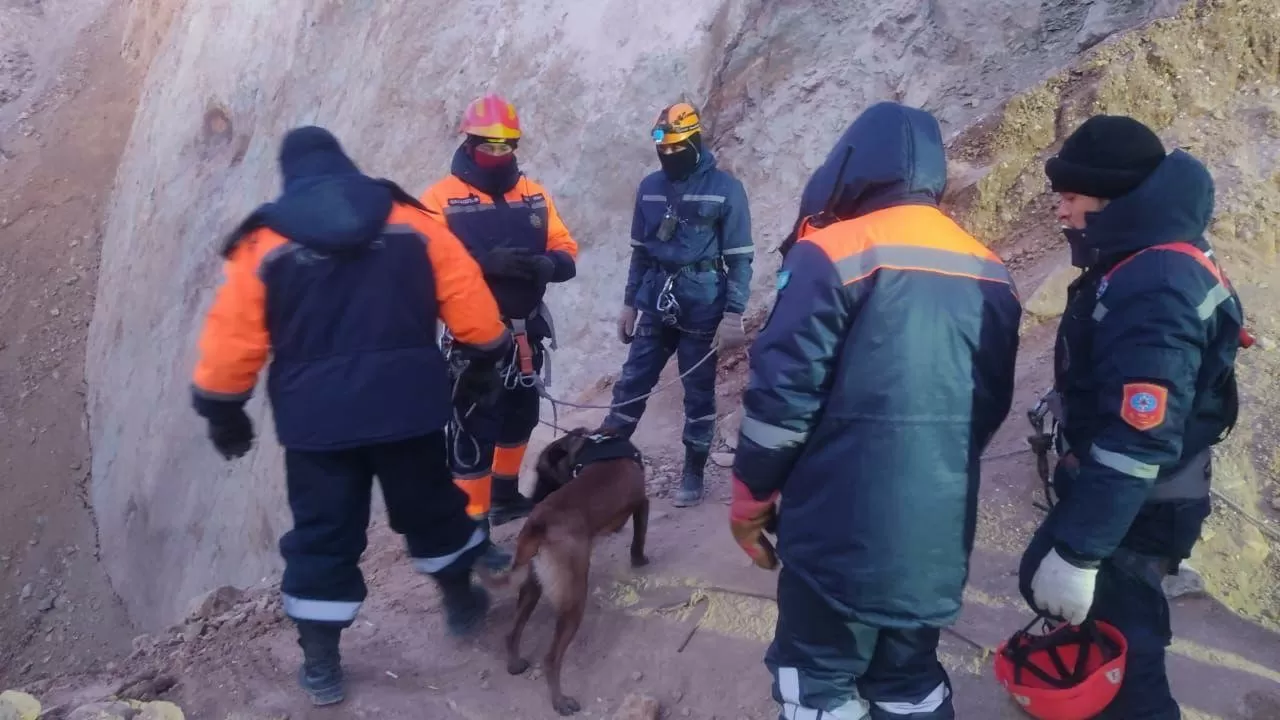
[1068,673]
[497,148]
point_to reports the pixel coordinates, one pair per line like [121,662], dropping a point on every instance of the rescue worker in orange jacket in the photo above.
[510,226]
[342,280]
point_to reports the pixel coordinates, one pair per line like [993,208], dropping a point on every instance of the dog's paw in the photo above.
[566,705]
[517,666]
[639,561]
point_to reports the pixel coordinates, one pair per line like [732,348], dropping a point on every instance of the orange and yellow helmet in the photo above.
[491,117]
[676,123]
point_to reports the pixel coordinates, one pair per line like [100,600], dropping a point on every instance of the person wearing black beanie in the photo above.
[1145,382]
[1106,157]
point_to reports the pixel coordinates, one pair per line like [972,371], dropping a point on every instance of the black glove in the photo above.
[506,262]
[232,435]
[541,268]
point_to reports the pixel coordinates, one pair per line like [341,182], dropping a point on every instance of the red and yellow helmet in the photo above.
[491,117]
[1070,673]
[676,123]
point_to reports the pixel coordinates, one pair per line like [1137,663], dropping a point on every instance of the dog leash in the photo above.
[556,402]
[554,424]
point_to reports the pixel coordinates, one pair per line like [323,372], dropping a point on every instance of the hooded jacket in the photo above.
[1144,367]
[709,254]
[885,367]
[341,280]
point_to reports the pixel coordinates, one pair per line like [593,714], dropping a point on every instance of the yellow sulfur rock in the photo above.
[161,710]
[18,706]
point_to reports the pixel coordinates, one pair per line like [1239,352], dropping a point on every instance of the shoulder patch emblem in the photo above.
[535,221]
[1144,405]
[784,277]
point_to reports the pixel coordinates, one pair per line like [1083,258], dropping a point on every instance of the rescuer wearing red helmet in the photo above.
[510,225]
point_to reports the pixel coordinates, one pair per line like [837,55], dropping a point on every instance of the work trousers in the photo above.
[651,349]
[330,494]
[828,667]
[488,443]
[1129,596]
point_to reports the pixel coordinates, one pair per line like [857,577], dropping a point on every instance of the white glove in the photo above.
[1062,589]
[731,334]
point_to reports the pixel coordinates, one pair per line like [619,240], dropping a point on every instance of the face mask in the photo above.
[680,165]
[1082,254]
[485,161]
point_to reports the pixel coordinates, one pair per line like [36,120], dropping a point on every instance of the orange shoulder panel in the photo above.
[466,304]
[558,237]
[908,237]
[234,342]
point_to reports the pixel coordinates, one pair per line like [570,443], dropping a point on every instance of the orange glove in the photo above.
[749,519]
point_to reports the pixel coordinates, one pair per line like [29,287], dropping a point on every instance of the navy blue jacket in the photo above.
[883,371]
[342,280]
[1144,365]
[714,226]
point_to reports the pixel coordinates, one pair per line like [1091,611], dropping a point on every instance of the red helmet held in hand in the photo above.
[1070,673]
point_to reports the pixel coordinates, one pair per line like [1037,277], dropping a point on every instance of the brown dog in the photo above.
[589,483]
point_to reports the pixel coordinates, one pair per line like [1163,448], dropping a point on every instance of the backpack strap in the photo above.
[1219,294]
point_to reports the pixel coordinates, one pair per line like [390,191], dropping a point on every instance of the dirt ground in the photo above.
[690,629]
[57,162]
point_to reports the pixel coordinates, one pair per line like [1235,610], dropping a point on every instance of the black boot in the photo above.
[508,504]
[321,672]
[465,603]
[691,487]
[494,558]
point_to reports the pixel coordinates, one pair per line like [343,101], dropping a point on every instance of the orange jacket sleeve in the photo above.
[234,342]
[561,247]
[466,304]
[558,237]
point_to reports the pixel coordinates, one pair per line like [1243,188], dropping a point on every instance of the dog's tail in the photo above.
[527,545]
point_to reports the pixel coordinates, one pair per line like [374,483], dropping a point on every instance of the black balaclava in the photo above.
[679,166]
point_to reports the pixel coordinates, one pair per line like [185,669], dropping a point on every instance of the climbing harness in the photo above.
[519,372]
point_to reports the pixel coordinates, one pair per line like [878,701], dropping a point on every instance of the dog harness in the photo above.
[600,447]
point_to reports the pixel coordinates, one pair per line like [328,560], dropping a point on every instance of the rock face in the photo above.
[1050,299]
[778,82]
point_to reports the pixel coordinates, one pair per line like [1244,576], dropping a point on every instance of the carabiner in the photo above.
[667,303]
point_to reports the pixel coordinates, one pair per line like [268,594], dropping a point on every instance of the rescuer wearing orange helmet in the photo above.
[510,226]
[687,285]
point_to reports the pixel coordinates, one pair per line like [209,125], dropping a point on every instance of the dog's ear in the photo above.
[554,467]
[552,458]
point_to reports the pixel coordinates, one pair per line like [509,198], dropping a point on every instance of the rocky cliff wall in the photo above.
[779,80]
